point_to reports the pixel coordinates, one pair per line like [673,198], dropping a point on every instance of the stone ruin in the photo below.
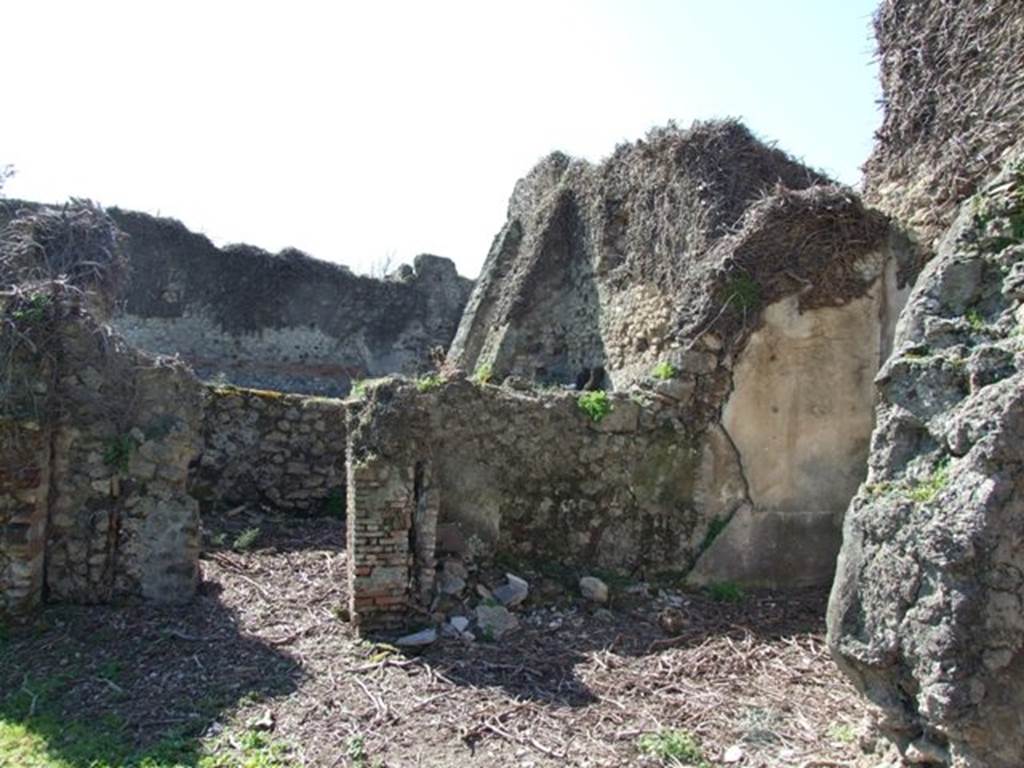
[242,316]
[682,362]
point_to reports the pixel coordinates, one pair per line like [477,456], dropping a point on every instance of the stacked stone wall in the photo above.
[271,449]
[96,444]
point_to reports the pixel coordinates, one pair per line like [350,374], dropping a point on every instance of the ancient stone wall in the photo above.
[285,321]
[97,443]
[800,414]
[735,465]
[25,443]
[678,238]
[271,450]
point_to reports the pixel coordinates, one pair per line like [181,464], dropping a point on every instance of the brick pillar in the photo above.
[381,504]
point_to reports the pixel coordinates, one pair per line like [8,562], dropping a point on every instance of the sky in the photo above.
[363,132]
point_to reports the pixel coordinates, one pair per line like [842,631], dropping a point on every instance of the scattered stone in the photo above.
[417,639]
[448,584]
[733,754]
[263,723]
[672,621]
[679,390]
[461,623]
[453,567]
[592,588]
[495,621]
[924,752]
[516,382]
[513,592]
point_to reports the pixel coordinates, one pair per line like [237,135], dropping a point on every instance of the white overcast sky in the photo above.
[358,130]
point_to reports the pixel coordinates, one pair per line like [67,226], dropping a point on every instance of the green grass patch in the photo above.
[428,383]
[921,491]
[743,292]
[118,452]
[36,731]
[596,404]
[842,732]
[246,539]
[484,374]
[33,310]
[931,486]
[673,746]
[664,371]
[974,319]
[726,592]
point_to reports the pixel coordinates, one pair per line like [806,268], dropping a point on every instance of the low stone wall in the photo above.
[475,472]
[95,448]
[270,449]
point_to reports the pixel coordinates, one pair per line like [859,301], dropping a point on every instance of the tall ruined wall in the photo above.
[284,322]
[953,95]
[927,610]
[684,235]
[269,449]
[96,444]
[736,466]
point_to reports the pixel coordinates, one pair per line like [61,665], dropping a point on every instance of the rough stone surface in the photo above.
[514,591]
[592,588]
[97,440]
[281,321]
[927,610]
[665,252]
[495,621]
[269,449]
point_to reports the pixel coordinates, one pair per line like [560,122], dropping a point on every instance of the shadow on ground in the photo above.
[99,686]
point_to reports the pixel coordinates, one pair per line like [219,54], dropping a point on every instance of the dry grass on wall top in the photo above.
[807,242]
[953,95]
[77,243]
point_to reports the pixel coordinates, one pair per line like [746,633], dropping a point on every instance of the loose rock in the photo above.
[495,621]
[423,637]
[513,592]
[592,588]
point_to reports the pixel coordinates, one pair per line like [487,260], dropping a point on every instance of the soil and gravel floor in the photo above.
[262,671]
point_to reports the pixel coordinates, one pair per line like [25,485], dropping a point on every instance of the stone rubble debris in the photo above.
[592,588]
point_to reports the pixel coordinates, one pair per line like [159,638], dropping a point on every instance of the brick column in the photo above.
[381,504]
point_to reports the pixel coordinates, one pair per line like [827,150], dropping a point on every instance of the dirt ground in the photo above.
[265,650]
